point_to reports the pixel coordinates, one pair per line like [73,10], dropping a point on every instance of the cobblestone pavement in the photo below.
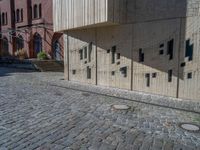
[36,115]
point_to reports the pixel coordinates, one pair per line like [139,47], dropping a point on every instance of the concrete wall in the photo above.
[145,27]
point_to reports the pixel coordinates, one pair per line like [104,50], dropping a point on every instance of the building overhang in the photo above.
[83,14]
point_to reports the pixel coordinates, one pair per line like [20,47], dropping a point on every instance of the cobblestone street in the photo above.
[34,114]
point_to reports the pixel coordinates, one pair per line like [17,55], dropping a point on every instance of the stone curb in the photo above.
[163,101]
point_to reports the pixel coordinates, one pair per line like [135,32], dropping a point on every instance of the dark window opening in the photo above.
[89,72]
[85,52]
[35,12]
[113,54]
[3,18]
[170,73]
[73,72]
[113,73]
[108,51]
[189,50]
[81,54]
[90,52]
[170,49]
[123,71]
[17,15]
[147,75]
[189,75]
[31,14]
[141,56]
[14,19]
[118,63]
[183,64]
[118,55]
[40,10]
[161,52]
[154,75]
[22,17]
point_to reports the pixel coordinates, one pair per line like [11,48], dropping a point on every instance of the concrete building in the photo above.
[28,25]
[143,45]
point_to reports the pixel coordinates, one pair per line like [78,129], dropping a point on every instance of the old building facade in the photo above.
[143,45]
[28,25]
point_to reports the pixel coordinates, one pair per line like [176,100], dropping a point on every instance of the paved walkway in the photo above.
[36,115]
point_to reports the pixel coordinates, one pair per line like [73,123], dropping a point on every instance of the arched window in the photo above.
[14,17]
[17,15]
[37,43]
[31,10]
[5,45]
[19,42]
[57,51]
[3,18]
[40,10]
[35,11]
[22,15]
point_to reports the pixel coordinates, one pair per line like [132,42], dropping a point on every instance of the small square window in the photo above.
[118,63]
[123,71]
[113,73]
[73,72]
[154,75]
[108,51]
[183,64]
[161,52]
[189,75]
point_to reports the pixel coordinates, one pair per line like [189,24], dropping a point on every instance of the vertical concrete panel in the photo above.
[148,37]
[78,66]
[190,87]
[110,74]
[66,50]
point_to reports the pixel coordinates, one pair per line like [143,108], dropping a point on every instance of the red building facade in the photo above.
[28,25]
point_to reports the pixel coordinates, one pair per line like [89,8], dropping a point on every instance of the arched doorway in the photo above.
[57,51]
[5,46]
[19,42]
[37,43]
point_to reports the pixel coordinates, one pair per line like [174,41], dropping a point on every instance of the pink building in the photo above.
[28,25]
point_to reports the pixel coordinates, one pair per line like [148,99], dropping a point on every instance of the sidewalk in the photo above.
[164,101]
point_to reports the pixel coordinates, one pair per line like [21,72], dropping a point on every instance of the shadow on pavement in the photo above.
[6,71]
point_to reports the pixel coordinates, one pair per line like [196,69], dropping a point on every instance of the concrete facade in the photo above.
[30,27]
[148,46]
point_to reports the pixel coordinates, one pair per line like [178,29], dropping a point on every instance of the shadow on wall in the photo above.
[156,44]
